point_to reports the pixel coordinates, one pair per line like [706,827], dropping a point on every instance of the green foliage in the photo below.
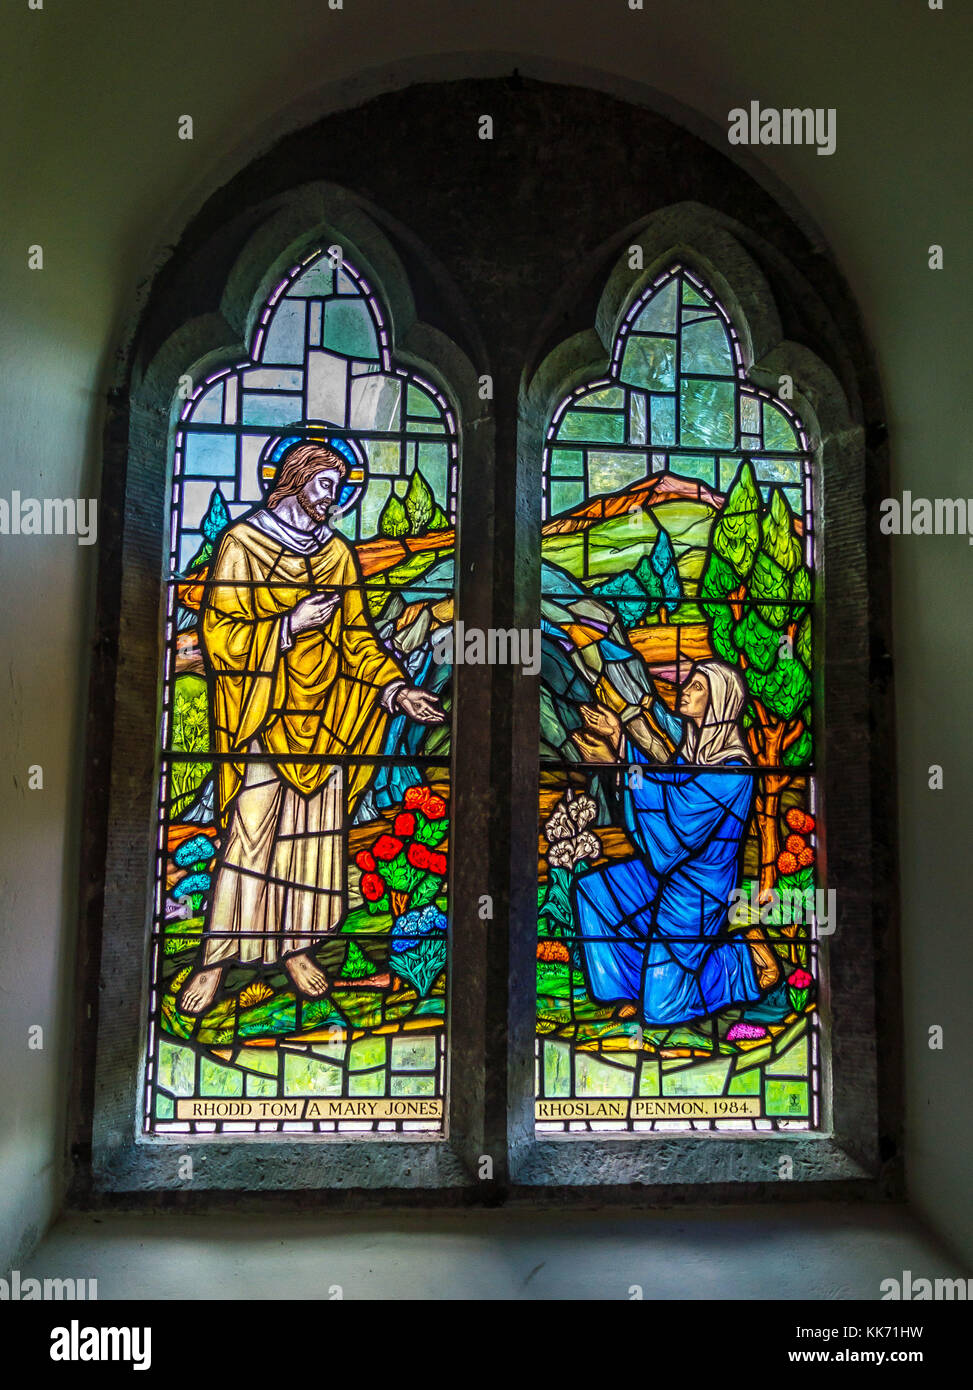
[419,513]
[653,586]
[215,521]
[425,891]
[756,641]
[783,690]
[557,902]
[659,575]
[178,1024]
[419,504]
[769,580]
[718,578]
[718,581]
[182,935]
[801,585]
[765,553]
[799,751]
[736,536]
[393,520]
[626,594]
[795,890]
[778,537]
[277,1015]
[357,966]
[430,832]
[190,734]
[201,559]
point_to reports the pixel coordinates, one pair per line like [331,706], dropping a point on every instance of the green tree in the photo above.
[393,520]
[215,521]
[759,591]
[190,734]
[659,576]
[419,504]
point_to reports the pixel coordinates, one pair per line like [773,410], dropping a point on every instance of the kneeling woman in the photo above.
[653,929]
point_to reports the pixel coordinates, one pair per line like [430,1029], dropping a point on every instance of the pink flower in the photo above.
[800,980]
[746,1032]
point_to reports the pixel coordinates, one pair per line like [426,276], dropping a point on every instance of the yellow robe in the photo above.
[321,696]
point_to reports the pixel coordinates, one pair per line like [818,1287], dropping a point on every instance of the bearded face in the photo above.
[317,496]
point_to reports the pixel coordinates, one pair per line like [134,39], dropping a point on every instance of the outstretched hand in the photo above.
[420,705]
[603,722]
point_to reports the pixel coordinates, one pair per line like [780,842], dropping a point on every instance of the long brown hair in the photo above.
[300,464]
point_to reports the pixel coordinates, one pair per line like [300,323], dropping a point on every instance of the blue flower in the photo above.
[421,955]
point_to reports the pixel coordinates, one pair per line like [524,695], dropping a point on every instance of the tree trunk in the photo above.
[768,800]
[768,807]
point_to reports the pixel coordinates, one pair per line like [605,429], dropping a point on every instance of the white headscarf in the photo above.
[719,738]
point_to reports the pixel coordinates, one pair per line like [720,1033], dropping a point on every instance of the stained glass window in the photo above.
[679,895]
[299,933]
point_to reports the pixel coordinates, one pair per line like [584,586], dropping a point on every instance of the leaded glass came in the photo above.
[679,893]
[299,934]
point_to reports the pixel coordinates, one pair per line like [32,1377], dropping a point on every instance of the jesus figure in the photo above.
[298,676]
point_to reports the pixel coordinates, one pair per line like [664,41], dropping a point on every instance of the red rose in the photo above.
[372,887]
[386,847]
[437,862]
[364,860]
[405,823]
[415,797]
[435,808]
[418,856]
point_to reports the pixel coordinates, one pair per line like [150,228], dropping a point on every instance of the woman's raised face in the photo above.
[694,697]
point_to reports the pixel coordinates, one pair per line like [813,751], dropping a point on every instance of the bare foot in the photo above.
[199,991]
[307,975]
[627,1011]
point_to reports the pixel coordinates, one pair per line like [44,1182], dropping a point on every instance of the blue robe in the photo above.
[653,929]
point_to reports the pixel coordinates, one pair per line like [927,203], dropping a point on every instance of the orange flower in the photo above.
[552,951]
[787,862]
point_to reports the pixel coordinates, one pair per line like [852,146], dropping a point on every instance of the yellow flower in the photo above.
[254,994]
